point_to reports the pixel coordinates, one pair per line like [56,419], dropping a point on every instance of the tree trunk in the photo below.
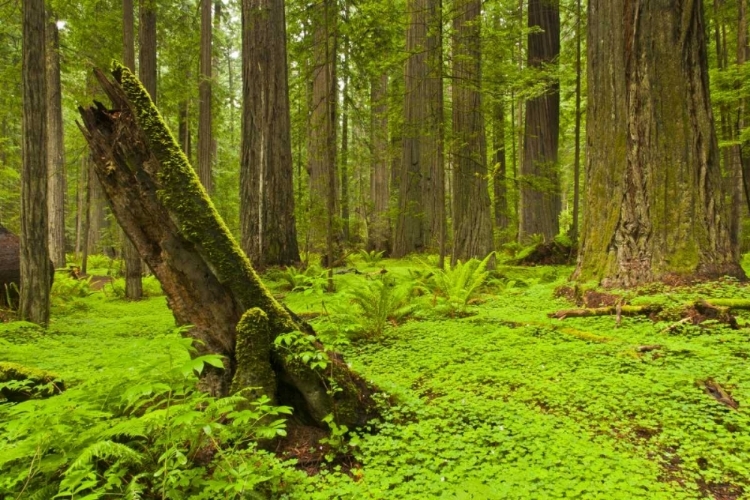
[577,147]
[10,268]
[205,135]
[324,202]
[379,229]
[35,264]
[147,49]
[499,177]
[540,184]
[55,148]
[269,234]
[133,266]
[345,137]
[421,193]
[209,283]
[743,115]
[472,220]
[655,205]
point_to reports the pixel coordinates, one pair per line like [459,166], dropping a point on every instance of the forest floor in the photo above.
[491,398]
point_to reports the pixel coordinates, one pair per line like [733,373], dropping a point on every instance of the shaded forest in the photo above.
[374,249]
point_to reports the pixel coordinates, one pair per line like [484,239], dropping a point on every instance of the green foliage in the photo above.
[150,434]
[151,287]
[455,287]
[372,257]
[311,279]
[379,302]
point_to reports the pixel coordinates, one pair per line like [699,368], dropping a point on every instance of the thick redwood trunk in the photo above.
[324,189]
[421,197]
[55,149]
[379,229]
[210,284]
[472,222]
[269,234]
[540,184]
[35,264]
[655,205]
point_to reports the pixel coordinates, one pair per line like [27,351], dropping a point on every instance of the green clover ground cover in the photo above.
[496,402]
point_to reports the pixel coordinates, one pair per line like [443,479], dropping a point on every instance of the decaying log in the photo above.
[209,282]
[605,311]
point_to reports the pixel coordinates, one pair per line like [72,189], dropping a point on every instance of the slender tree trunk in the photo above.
[147,46]
[55,148]
[379,229]
[324,192]
[269,234]
[472,220]
[499,178]
[133,265]
[577,146]
[81,190]
[540,187]
[345,139]
[35,263]
[655,206]
[86,165]
[205,135]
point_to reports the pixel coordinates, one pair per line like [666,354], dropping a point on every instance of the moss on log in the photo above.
[20,383]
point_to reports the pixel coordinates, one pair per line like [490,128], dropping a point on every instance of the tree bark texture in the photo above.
[10,267]
[209,282]
[472,220]
[379,229]
[147,46]
[500,173]
[205,134]
[419,190]
[324,194]
[269,234]
[35,265]
[654,204]
[540,183]
[55,149]
[133,266]
[743,115]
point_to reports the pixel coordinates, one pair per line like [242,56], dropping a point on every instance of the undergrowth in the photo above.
[484,396]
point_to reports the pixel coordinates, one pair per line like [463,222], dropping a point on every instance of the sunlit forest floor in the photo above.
[490,397]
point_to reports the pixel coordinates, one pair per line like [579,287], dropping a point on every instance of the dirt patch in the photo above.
[592,298]
[721,491]
[98,282]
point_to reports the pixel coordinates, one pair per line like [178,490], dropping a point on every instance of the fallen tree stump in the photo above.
[209,282]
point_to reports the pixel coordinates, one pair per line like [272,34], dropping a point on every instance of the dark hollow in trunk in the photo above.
[209,282]
[10,267]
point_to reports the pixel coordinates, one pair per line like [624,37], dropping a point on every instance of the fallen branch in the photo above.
[605,311]
[717,392]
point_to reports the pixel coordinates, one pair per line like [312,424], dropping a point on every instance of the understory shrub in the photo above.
[379,302]
[455,287]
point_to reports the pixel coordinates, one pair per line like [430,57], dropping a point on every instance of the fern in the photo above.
[380,302]
[458,285]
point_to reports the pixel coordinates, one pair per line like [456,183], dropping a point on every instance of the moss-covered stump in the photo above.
[20,383]
[162,207]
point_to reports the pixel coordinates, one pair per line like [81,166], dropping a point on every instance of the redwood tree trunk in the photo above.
[269,234]
[655,206]
[35,264]
[540,183]
[133,267]
[499,177]
[420,186]
[205,135]
[209,283]
[379,229]
[324,194]
[55,148]
[472,222]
